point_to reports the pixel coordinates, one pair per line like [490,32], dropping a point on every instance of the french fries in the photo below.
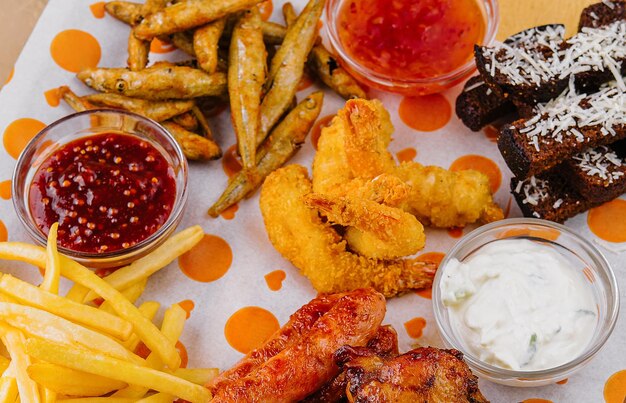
[53,265]
[62,350]
[246,75]
[70,382]
[86,315]
[277,149]
[112,368]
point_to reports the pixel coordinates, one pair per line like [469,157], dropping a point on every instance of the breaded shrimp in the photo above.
[303,367]
[374,230]
[442,198]
[314,247]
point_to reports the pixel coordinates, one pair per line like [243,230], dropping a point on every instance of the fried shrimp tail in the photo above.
[314,247]
[375,230]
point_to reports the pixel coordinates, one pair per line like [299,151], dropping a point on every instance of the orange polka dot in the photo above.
[317,128]
[492,133]
[75,50]
[608,221]
[275,279]
[231,163]
[480,164]
[208,261]
[97,9]
[543,233]
[563,382]
[188,306]
[455,232]
[182,351]
[266,8]
[432,257]
[19,133]
[305,82]
[53,97]
[249,328]
[5,189]
[159,46]
[4,234]
[415,327]
[537,401]
[407,154]
[615,388]
[10,76]
[425,113]
[229,213]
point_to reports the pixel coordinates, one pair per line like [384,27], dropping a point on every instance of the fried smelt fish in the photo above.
[273,33]
[188,14]
[155,83]
[325,67]
[205,44]
[287,67]
[374,230]
[302,368]
[124,11]
[195,147]
[314,247]
[284,141]
[156,110]
[138,51]
[73,100]
[246,75]
[187,121]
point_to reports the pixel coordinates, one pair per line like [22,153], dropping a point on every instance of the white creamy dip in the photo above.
[520,305]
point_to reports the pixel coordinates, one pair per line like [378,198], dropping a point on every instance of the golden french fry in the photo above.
[8,389]
[187,121]
[138,51]
[199,376]
[39,323]
[157,398]
[246,75]
[172,327]
[14,341]
[124,11]
[147,331]
[288,66]
[73,100]
[28,294]
[131,293]
[279,147]
[188,14]
[148,309]
[77,293]
[48,396]
[156,110]
[108,367]
[205,44]
[4,364]
[155,83]
[53,266]
[146,266]
[71,382]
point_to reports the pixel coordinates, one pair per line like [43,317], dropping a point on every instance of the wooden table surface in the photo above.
[18,18]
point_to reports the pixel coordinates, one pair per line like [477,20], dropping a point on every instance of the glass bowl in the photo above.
[88,123]
[574,248]
[417,86]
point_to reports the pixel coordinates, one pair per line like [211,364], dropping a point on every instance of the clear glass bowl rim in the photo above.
[24,216]
[492,13]
[503,373]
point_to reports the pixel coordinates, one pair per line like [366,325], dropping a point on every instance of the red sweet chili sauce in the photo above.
[108,192]
[411,39]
